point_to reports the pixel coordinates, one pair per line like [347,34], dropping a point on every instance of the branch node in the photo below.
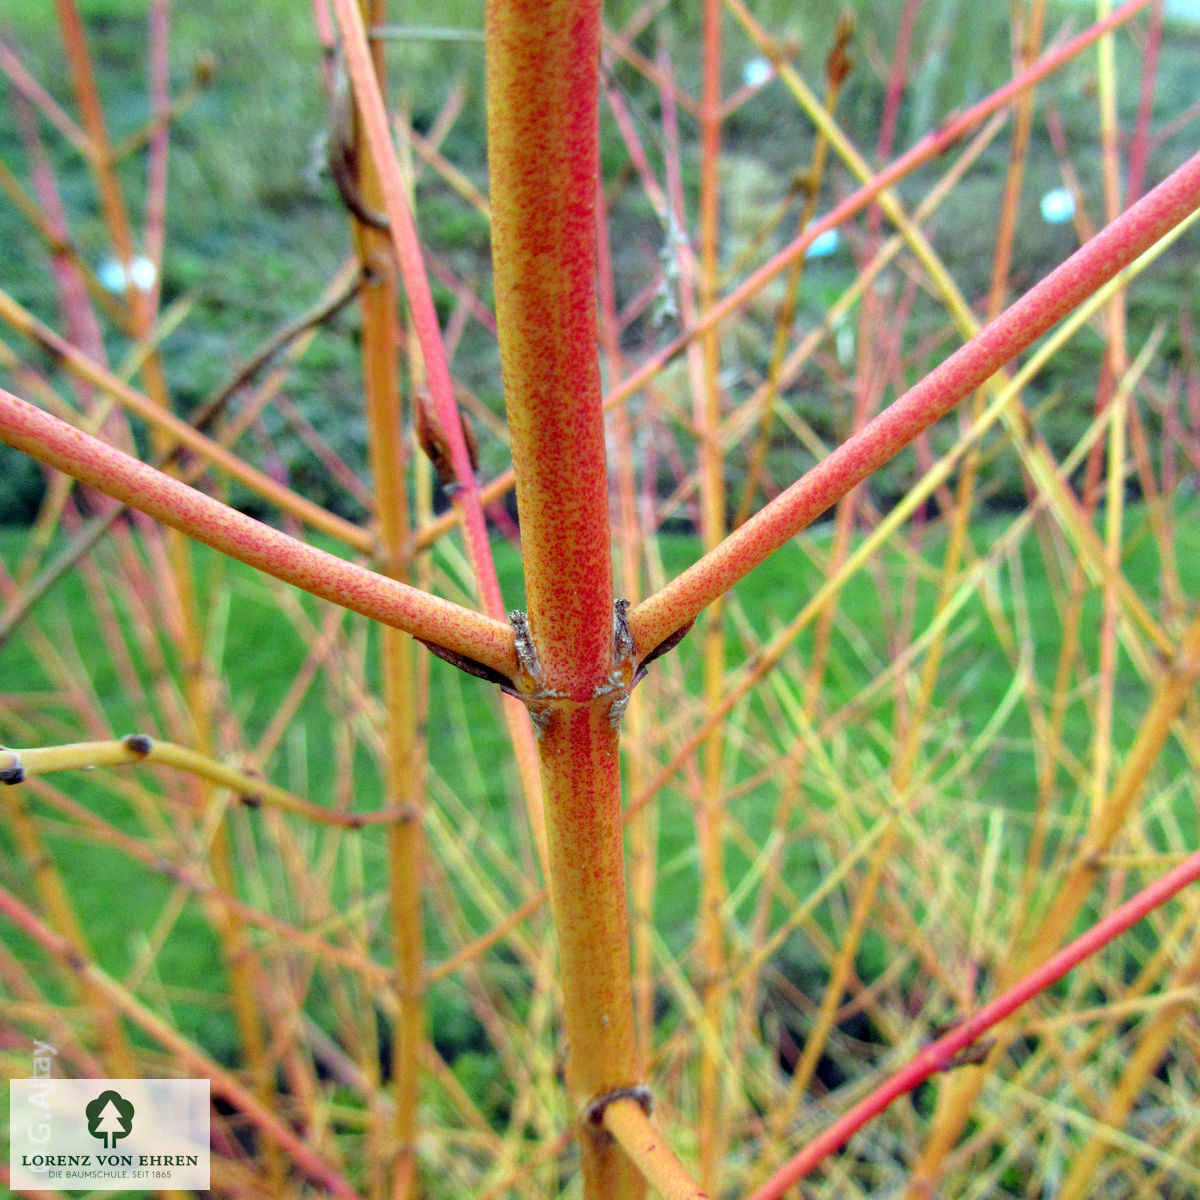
[343,149]
[594,1111]
[529,680]
[624,650]
[14,772]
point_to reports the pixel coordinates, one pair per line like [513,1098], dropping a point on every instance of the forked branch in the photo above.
[1109,252]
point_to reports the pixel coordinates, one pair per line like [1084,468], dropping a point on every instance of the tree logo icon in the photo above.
[109,1117]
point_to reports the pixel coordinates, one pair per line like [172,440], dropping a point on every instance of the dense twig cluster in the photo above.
[881,791]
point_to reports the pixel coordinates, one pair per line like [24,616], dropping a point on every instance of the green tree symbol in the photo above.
[109,1116]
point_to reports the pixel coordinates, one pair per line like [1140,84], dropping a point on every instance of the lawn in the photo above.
[472,779]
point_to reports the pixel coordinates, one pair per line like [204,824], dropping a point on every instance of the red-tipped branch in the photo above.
[1111,250]
[939,1055]
[403,230]
[57,444]
[542,68]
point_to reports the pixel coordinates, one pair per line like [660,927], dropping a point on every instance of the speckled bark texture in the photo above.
[542,160]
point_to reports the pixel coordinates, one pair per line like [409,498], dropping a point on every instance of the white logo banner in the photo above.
[108,1134]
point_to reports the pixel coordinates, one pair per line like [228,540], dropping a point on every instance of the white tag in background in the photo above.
[108,1134]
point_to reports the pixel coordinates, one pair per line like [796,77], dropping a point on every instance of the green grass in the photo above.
[468,747]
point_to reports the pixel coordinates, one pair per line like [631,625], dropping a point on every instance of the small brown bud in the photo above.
[838,64]
[203,69]
[434,442]
[432,437]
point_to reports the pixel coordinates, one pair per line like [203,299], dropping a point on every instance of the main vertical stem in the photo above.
[583,806]
[542,80]
[542,63]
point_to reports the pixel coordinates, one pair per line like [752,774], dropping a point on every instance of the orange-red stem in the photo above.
[542,61]
[108,470]
[1114,248]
